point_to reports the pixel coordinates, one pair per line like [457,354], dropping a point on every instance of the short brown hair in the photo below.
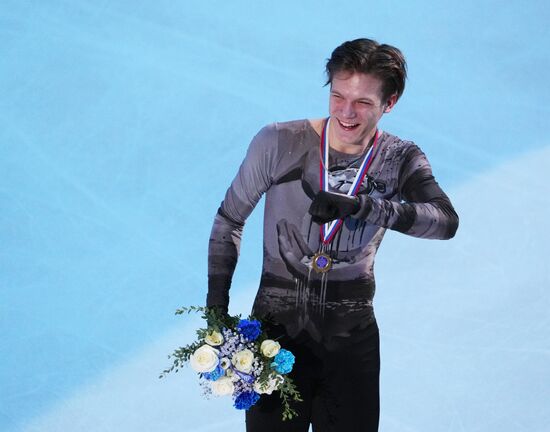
[368,56]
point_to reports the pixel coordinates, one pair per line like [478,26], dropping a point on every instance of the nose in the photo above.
[347,110]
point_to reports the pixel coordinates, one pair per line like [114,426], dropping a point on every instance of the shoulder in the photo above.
[406,156]
[395,142]
[296,126]
[301,126]
[285,133]
[396,147]
[293,126]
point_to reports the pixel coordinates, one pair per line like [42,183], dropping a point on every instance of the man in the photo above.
[333,187]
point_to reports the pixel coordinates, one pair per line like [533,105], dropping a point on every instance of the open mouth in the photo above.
[347,126]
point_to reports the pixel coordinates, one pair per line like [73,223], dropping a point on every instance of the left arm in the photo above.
[423,209]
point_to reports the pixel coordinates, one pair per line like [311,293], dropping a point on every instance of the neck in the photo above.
[353,148]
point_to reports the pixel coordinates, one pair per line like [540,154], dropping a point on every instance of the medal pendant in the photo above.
[321,262]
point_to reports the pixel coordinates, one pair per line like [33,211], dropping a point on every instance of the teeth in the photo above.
[348,124]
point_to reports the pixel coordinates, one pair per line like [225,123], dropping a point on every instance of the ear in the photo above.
[390,103]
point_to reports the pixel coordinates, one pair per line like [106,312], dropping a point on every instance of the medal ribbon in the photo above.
[329,230]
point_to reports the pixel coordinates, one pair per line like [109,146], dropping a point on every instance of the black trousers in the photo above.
[340,387]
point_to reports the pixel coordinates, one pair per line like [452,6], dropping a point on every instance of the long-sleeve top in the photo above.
[399,192]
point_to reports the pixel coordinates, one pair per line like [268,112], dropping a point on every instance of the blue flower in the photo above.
[283,361]
[250,329]
[214,375]
[246,399]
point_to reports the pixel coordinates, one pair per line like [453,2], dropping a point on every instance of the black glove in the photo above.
[328,206]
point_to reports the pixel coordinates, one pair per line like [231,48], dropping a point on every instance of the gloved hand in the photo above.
[328,206]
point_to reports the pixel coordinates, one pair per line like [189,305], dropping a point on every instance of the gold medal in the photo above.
[321,262]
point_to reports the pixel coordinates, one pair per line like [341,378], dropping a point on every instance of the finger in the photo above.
[287,251]
[283,237]
[299,241]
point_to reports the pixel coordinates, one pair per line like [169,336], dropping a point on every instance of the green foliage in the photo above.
[266,371]
[181,356]
[288,392]
[215,318]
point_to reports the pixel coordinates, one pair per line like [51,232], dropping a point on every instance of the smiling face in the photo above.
[355,106]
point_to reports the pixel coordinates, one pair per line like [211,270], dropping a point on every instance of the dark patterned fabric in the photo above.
[340,389]
[398,193]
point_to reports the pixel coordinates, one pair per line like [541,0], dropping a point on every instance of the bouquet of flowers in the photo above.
[235,357]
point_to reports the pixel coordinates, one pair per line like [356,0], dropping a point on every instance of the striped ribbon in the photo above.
[329,230]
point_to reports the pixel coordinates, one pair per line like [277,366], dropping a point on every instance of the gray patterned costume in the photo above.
[399,193]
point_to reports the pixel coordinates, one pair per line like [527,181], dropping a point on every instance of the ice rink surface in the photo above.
[122,124]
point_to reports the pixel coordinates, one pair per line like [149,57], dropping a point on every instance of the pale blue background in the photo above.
[123,122]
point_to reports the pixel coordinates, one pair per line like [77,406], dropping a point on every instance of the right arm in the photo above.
[252,180]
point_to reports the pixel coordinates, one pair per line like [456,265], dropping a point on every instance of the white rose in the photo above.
[214,338]
[229,373]
[243,360]
[205,359]
[270,348]
[222,386]
[269,386]
[225,363]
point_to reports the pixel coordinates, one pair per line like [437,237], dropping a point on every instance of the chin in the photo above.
[353,137]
